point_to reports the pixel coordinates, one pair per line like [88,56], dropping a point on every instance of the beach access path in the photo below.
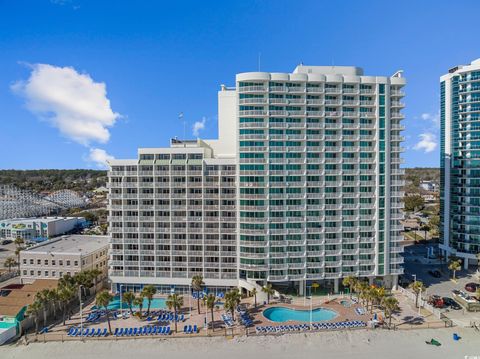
[358,344]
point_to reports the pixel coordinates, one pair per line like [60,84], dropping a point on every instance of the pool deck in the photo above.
[58,332]
[344,313]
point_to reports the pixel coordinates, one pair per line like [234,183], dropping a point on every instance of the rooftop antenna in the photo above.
[181,117]
[259,60]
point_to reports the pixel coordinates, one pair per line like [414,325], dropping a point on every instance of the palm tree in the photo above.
[43,297]
[175,302]
[9,263]
[138,302]
[54,300]
[376,295]
[361,288]
[67,281]
[390,305]
[19,244]
[83,280]
[33,311]
[197,285]
[128,298]
[417,288]
[94,274]
[254,293]
[232,300]
[65,295]
[454,266]
[350,282]
[210,301]
[103,299]
[17,253]
[268,289]
[148,292]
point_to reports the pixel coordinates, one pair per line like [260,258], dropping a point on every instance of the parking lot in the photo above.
[6,250]
[416,263]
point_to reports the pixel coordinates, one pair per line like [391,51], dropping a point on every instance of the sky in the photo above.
[85,81]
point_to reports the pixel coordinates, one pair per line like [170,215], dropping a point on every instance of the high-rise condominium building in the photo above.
[460,162]
[303,185]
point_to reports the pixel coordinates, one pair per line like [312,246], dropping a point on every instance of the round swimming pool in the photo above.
[282,314]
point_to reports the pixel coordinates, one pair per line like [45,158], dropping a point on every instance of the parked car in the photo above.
[436,301]
[6,241]
[449,302]
[435,273]
[472,287]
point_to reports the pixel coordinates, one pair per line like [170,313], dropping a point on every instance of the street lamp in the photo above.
[121,301]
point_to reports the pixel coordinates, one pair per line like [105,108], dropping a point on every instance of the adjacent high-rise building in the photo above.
[460,162]
[303,185]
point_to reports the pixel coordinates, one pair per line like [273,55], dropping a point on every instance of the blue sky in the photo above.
[141,63]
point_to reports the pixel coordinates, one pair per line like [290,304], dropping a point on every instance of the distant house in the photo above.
[428,186]
[100,190]
[410,225]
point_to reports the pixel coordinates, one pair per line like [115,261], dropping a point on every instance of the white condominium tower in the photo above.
[303,185]
[460,162]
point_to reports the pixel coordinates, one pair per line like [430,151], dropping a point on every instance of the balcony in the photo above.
[243,89]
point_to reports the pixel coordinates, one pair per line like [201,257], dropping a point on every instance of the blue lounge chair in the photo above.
[70,331]
[154,330]
[195,329]
[167,331]
[149,330]
[185,329]
[97,333]
[149,319]
[161,330]
[134,331]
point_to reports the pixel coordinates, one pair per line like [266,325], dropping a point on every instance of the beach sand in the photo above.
[359,344]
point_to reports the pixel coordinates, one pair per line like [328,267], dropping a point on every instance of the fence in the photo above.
[63,337]
[9,275]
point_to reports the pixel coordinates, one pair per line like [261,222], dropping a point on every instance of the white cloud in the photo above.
[427,143]
[99,157]
[198,126]
[435,118]
[72,102]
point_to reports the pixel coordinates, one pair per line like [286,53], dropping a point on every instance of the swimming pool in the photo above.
[282,314]
[157,303]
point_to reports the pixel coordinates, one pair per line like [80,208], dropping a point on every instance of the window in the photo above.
[32,272]
[39,273]
[31,261]
[46,262]
[24,272]
[60,262]
[75,263]
[54,273]
[61,274]
[24,261]
[53,262]
[39,262]
[46,273]
[68,263]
